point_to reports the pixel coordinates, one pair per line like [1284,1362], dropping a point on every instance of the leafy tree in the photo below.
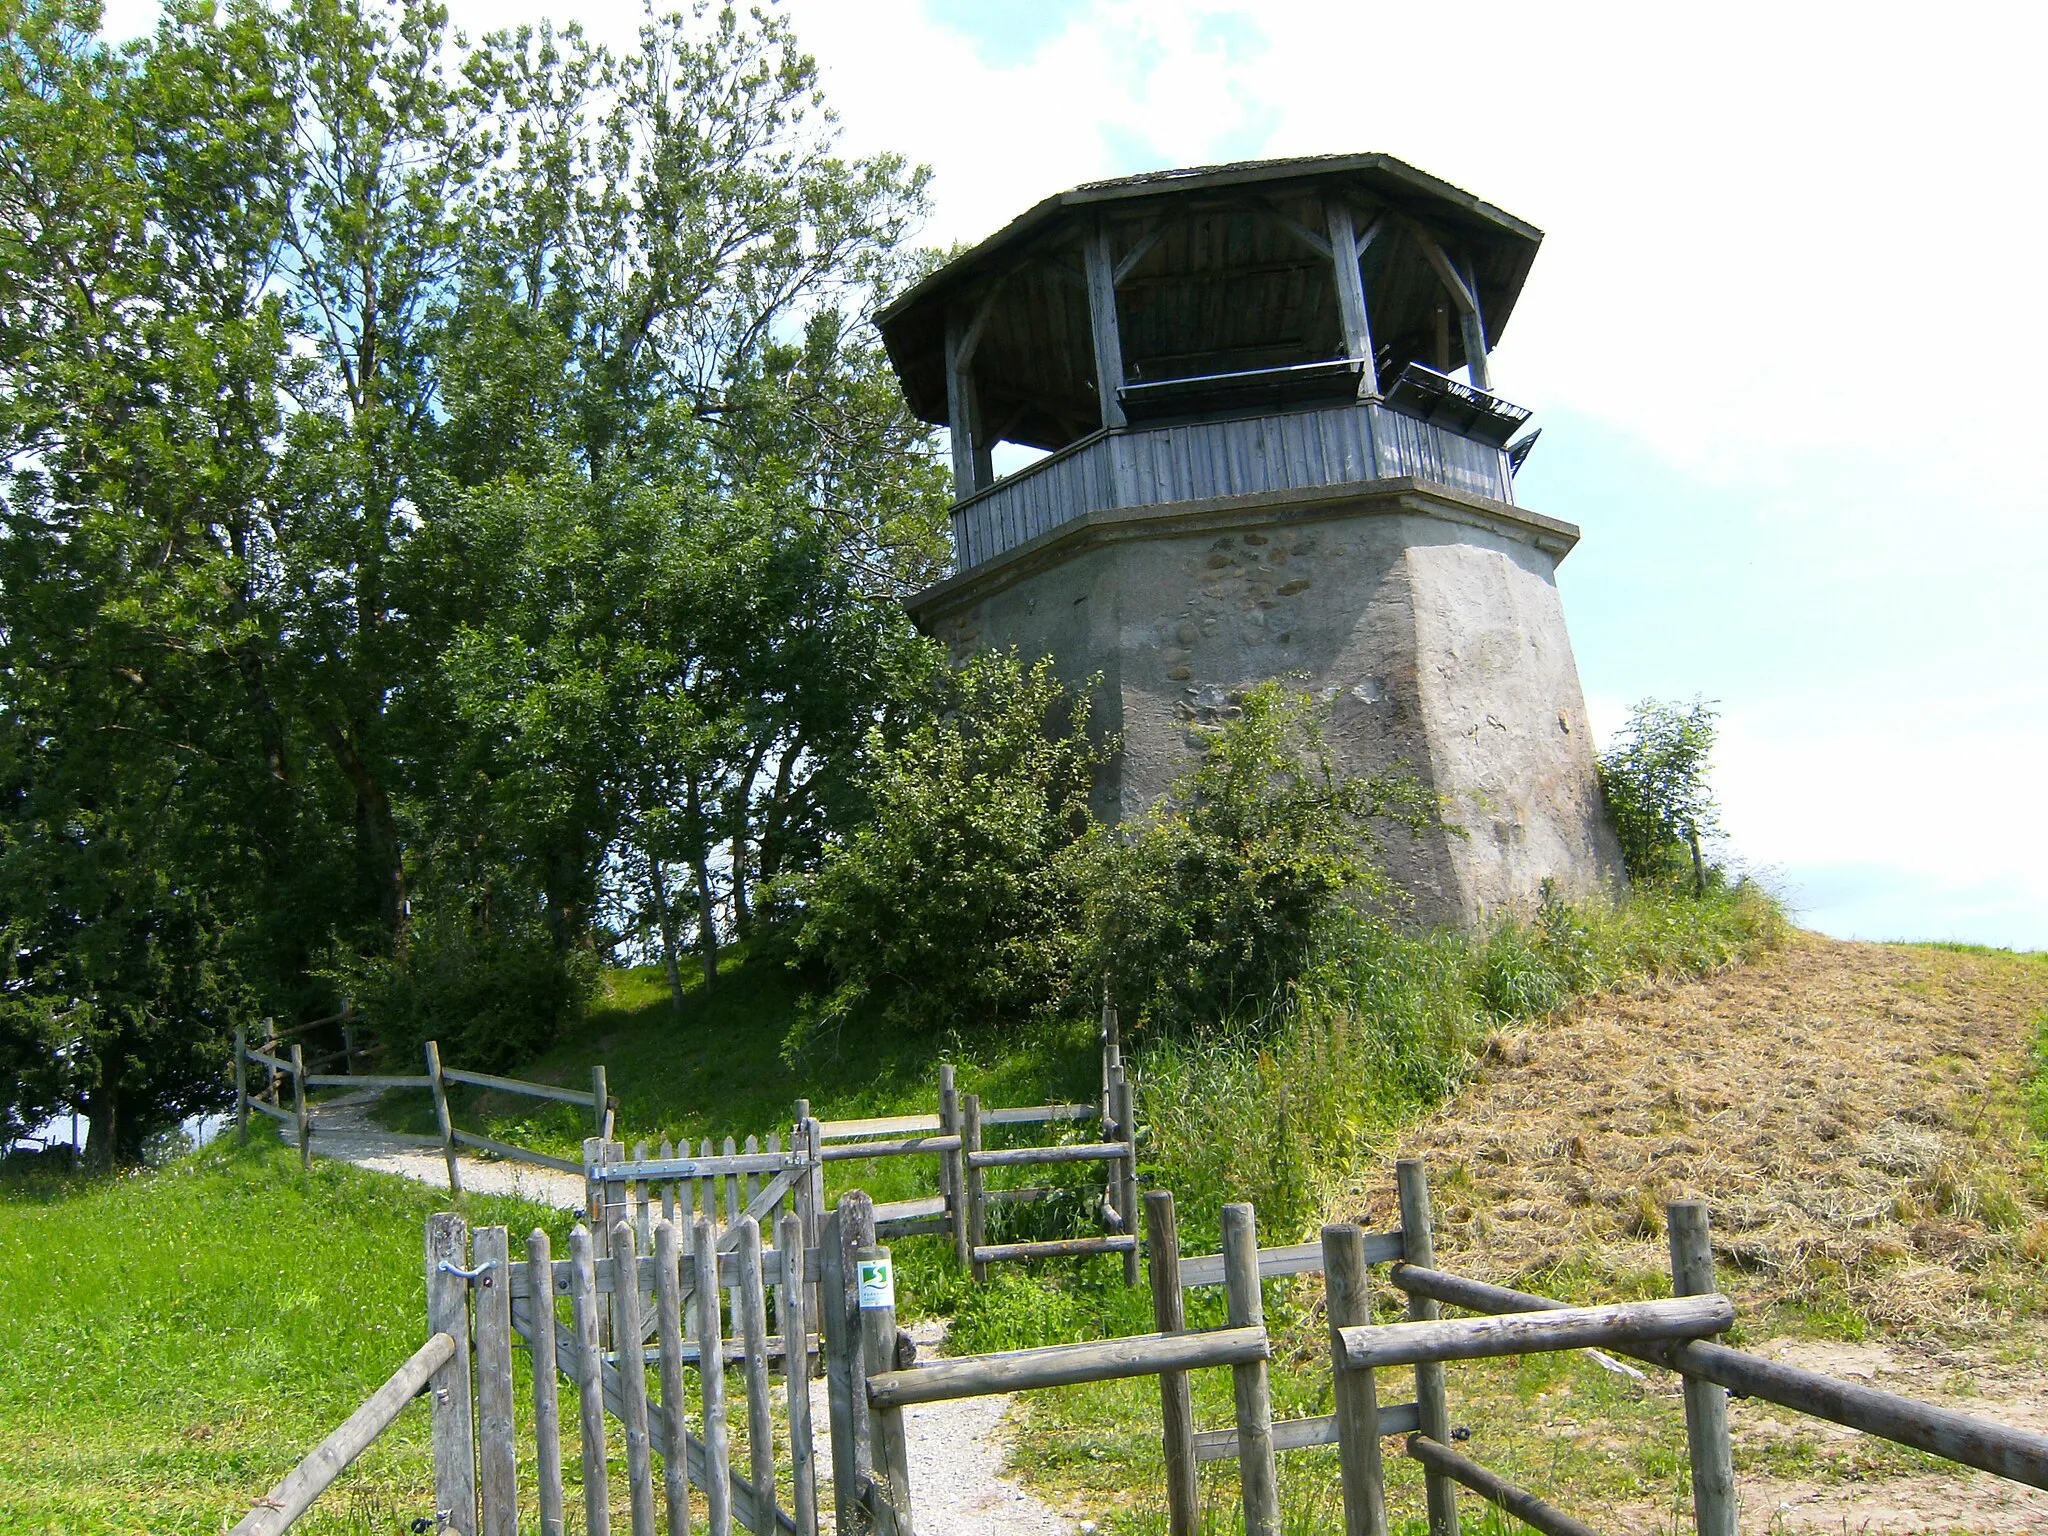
[1205,911]
[956,907]
[1654,779]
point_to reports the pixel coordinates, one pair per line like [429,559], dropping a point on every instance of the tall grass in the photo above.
[1387,1026]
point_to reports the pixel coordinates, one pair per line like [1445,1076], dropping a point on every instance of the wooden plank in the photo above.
[977,1205]
[1176,1397]
[264,1058]
[953,1169]
[1028,1157]
[790,1305]
[1302,1434]
[1039,1114]
[891,1452]
[626,1328]
[299,1111]
[1102,327]
[284,1116]
[1060,1365]
[1298,1259]
[881,1125]
[547,1404]
[1411,1183]
[668,1328]
[578,1096]
[1124,1173]
[909,1147]
[496,1463]
[512,1154]
[453,1429]
[366,1080]
[331,1457]
[1357,1419]
[915,1226]
[845,1230]
[1484,1338]
[1519,1502]
[752,1323]
[717,1479]
[589,1363]
[1054,1248]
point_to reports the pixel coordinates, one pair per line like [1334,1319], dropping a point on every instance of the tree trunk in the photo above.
[742,914]
[707,920]
[103,1112]
[658,888]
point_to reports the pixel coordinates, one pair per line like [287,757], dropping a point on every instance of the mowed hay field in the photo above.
[1856,1118]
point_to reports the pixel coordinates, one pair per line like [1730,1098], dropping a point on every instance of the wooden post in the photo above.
[1351,293]
[846,1231]
[271,1076]
[454,1427]
[953,1165]
[803,1471]
[977,1199]
[1126,1167]
[876,1279]
[547,1403]
[668,1327]
[1358,1409]
[299,1106]
[812,1209]
[1418,1247]
[628,1337]
[242,1085]
[640,1190]
[1473,324]
[600,1102]
[961,405]
[441,1114]
[711,1377]
[1176,1399]
[1247,1309]
[497,1474]
[1102,325]
[597,1504]
[752,1326]
[1706,1405]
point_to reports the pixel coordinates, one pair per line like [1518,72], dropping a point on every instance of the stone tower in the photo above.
[1258,465]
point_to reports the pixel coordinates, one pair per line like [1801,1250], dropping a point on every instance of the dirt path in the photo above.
[957,1450]
[1851,1114]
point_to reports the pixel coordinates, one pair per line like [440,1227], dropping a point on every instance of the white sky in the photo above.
[1782,335]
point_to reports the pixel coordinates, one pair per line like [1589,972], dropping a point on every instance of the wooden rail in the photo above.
[292,1497]
[1487,1338]
[1519,1502]
[1061,1365]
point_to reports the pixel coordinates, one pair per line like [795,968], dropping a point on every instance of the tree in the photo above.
[1653,777]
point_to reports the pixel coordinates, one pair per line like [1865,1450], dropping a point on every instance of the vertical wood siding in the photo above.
[1300,450]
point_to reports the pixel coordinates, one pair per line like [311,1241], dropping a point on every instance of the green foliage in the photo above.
[955,907]
[1204,914]
[1654,780]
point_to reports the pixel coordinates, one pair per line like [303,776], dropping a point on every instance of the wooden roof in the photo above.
[1217,277]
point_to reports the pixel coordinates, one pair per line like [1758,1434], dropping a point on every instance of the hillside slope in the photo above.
[1854,1116]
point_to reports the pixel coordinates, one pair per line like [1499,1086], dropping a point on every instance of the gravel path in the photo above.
[957,1450]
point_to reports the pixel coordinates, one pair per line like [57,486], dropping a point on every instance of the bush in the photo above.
[954,905]
[1205,913]
[1654,780]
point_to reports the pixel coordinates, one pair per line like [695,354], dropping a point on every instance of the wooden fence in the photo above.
[303,1119]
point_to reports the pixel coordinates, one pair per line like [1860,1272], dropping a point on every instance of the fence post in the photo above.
[600,1100]
[597,1503]
[847,1230]
[497,1475]
[1706,1405]
[668,1329]
[271,1076]
[441,1113]
[752,1326]
[711,1377]
[1418,1247]
[1358,1407]
[796,1352]
[977,1201]
[1176,1399]
[1126,1168]
[242,1084]
[891,1453]
[547,1402]
[454,1427]
[1247,1309]
[953,1165]
[299,1106]
[628,1339]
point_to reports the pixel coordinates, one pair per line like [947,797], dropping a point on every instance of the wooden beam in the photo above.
[1299,230]
[1351,294]
[960,411]
[1140,251]
[1109,352]
[1453,280]
[1474,324]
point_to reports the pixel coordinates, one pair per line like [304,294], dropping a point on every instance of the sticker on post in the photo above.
[877,1284]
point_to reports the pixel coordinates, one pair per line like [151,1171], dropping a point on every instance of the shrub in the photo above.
[1207,911]
[1654,780]
[953,906]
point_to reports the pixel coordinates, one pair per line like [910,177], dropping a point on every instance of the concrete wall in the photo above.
[1429,622]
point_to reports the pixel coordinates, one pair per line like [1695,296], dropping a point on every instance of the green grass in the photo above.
[175,1340]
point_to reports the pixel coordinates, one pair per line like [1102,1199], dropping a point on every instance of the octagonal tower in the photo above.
[1260,465]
